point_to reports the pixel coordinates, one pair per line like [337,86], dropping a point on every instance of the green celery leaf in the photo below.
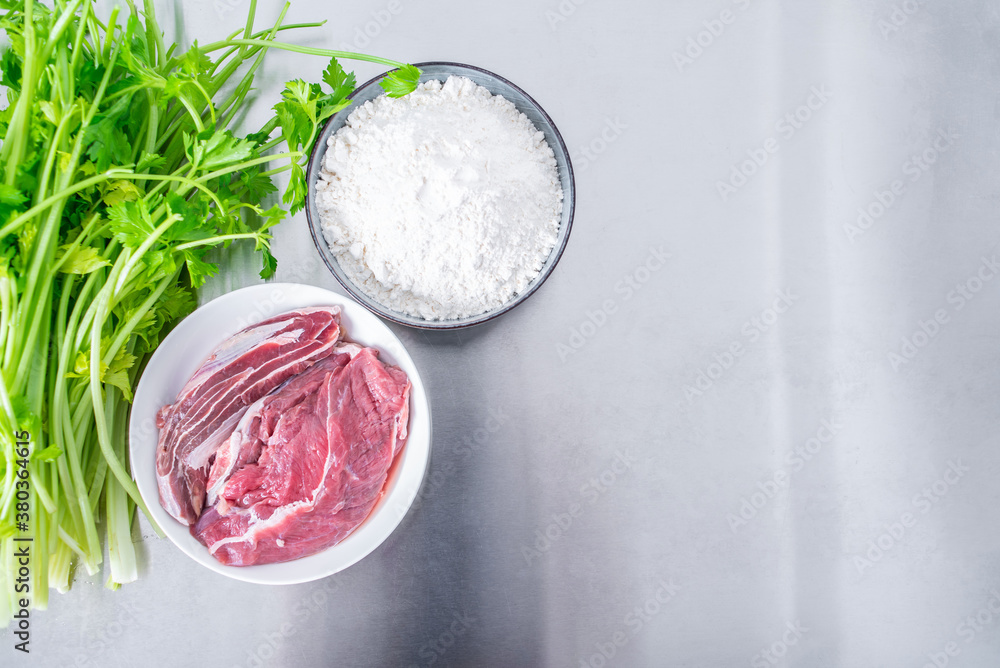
[49,454]
[88,78]
[145,322]
[49,111]
[106,142]
[272,217]
[150,163]
[159,264]
[261,136]
[117,373]
[10,69]
[81,366]
[130,222]
[134,45]
[119,190]
[400,82]
[270,264]
[176,302]
[295,194]
[198,270]
[11,196]
[342,83]
[26,419]
[257,185]
[195,62]
[12,201]
[220,149]
[81,260]
[193,220]
[297,112]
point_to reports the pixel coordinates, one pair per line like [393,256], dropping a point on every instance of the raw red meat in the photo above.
[306,463]
[240,371]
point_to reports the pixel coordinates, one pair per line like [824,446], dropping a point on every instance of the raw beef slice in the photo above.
[245,368]
[306,463]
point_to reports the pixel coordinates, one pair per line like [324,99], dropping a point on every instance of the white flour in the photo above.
[441,204]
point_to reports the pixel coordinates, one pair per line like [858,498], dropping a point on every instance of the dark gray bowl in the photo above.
[496,85]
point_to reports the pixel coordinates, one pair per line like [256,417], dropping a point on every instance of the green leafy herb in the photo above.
[400,82]
[120,171]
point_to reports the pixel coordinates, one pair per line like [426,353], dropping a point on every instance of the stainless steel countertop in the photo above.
[739,461]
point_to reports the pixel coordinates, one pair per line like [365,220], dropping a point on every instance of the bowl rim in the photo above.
[383,312]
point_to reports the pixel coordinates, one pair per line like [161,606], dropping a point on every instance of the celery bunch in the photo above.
[118,173]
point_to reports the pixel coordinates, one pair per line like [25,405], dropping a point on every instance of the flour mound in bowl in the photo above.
[442,204]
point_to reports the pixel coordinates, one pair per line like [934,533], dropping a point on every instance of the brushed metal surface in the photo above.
[738,426]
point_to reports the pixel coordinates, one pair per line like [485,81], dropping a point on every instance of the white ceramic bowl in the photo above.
[191,342]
